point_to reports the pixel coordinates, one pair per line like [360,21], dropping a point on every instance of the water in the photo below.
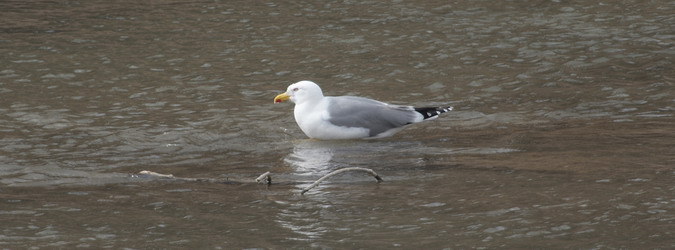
[562,134]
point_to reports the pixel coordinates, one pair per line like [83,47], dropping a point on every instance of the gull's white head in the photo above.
[300,92]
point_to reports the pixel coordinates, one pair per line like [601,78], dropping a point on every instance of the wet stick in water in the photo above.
[266,176]
[369,171]
[155,175]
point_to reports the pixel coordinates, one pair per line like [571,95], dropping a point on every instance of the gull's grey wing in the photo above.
[377,117]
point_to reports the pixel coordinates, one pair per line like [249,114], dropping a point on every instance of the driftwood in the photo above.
[369,171]
[155,175]
[265,177]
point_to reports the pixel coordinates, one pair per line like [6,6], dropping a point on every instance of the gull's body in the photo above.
[349,117]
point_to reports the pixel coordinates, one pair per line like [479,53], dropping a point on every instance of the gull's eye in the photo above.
[296,89]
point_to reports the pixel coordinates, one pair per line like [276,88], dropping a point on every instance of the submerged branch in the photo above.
[369,171]
[150,174]
[265,177]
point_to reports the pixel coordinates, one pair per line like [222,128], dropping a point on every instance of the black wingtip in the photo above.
[431,112]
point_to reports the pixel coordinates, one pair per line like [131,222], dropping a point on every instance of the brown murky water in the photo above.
[562,134]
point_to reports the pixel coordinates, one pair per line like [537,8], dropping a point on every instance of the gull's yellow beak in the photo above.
[281,98]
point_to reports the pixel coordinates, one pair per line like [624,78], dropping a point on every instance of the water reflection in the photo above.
[306,222]
[311,157]
[314,157]
[398,161]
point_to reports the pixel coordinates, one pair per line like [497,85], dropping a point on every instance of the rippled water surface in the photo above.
[562,136]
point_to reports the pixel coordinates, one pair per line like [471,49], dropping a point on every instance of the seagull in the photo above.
[350,117]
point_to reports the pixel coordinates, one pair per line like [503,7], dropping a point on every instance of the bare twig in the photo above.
[150,174]
[146,173]
[266,176]
[369,171]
